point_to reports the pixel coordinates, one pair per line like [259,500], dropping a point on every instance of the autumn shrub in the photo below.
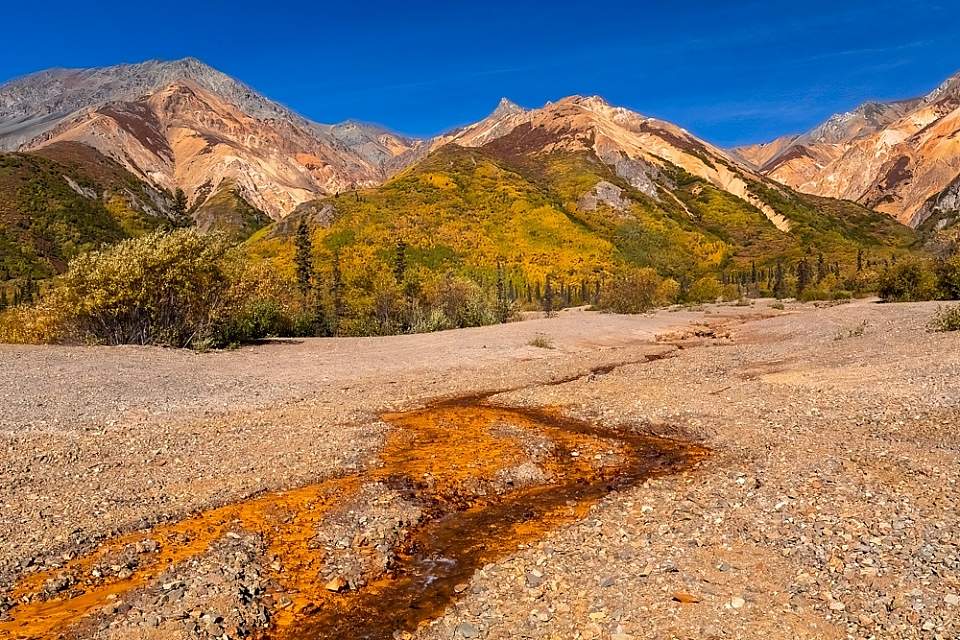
[908,280]
[447,301]
[946,319]
[862,282]
[731,292]
[427,320]
[181,289]
[638,292]
[948,278]
[461,301]
[706,289]
[541,341]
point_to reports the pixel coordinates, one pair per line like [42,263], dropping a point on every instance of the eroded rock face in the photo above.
[892,157]
[946,204]
[186,136]
[604,193]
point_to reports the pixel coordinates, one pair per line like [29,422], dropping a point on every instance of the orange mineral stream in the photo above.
[446,458]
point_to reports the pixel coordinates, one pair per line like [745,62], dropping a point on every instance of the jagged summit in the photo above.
[948,88]
[585,100]
[506,107]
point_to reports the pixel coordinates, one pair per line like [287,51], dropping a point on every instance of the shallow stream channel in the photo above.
[459,484]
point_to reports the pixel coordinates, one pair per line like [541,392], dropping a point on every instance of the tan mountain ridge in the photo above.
[185,125]
[184,136]
[635,146]
[899,158]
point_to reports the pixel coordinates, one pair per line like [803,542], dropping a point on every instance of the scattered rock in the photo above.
[686,598]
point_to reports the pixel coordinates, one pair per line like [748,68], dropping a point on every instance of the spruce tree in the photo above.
[503,304]
[400,262]
[821,268]
[779,287]
[303,258]
[336,294]
[803,275]
[548,297]
[180,217]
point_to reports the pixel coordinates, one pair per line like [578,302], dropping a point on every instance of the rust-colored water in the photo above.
[447,458]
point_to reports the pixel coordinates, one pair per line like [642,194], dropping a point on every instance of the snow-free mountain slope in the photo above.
[185,125]
[897,157]
[635,146]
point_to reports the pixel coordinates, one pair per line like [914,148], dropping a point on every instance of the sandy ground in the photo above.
[828,508]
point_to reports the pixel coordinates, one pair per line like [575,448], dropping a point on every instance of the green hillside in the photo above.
[227,212]
[466,209]
[63,201]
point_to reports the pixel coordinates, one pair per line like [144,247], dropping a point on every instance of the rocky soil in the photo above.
[827,508]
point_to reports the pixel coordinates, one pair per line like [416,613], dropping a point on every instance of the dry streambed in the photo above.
[370,555]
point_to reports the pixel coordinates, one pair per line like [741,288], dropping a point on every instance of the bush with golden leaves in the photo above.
[638,292]
[180,289]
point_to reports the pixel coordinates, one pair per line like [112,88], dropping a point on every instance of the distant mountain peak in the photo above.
[948,88]
[894,157]
[506,107]
[584,100]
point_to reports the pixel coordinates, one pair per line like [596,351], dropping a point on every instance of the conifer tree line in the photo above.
[321,286]
[326,293]
[796,277]
[510,290]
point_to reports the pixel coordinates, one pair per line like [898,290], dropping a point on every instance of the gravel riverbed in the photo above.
[827,508]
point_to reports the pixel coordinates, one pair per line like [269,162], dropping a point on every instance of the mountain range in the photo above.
[125,139]
[901,158]
[185,125]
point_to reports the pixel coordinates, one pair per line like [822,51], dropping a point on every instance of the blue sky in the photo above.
[731,72]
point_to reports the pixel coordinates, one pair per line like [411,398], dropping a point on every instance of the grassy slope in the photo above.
[226,211]
[464,209]
[44,221]
[460,209]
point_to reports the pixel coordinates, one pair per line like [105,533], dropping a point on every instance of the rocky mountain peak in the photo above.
[33,104]
[506,107]
[588,102]
[893,157]
[950,88]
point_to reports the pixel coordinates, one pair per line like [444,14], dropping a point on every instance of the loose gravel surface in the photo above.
[827,508]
